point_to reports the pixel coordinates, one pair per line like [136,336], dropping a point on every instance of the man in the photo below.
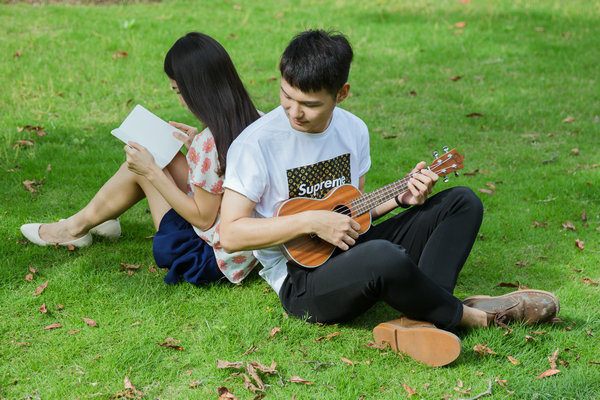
[411,261]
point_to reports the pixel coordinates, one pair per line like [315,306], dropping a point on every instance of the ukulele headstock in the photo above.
[449,162]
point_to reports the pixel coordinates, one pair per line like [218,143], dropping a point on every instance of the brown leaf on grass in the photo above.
[328,337]
[274,331]
[120,54]
[31,185]
[568,225]
[29,277]
[521,263]
[136,323]
[482,349]
[171,343]
[72,332]
[491,186]
[250,350]
[43,309]
[40,288]
[410,391]
[579,244]
[221,364]
[507,284]
[152,269]
[225,394]
[460,24]
[90,322]
[513,360]
[583,217]
[568,119]
[475,115]
[36,129]
[130,391]
[60,307]
[23,143]
[271,79]
[455,78]
[548,372]
[126,266]
[32,270]
[575,270]
[53,326]
[529,338]
[589,281]
[348,362]
[297,379]
[487,191]
[374,345]
[589,332]
[553,359]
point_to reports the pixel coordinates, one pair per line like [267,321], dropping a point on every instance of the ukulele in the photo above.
[310,251]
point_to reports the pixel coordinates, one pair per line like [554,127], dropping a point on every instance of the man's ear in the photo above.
[343,93]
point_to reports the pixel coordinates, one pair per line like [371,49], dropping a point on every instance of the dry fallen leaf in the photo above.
[487,191]
[460,24]
[90,322]
[31,185]
[409,390]
[589,281]
[568,119]
[371,343]
[29,277]
[455,78]
[226,364]
[43,309]
[250,350]
[513,360]
[120,54]
[40,288]
[579,244]
[53,326]
[483,349]
[348,362]
[152,269]
[475,115]
[274,331]
[297,379]
[328,337]
[568,225]
[547,373]
[72,332]
[171,343]
[225,394]
[553,359]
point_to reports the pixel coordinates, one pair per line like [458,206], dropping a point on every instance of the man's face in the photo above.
[307,111]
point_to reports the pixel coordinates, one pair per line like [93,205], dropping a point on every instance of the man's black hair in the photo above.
[317,59]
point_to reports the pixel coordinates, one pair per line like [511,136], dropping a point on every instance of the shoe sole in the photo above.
[430,346]
[489,307]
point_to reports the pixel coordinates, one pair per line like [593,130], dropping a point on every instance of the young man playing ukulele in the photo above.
[308,146]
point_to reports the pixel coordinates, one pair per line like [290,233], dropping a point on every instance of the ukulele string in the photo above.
[362,205]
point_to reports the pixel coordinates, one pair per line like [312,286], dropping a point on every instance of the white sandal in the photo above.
[110,229]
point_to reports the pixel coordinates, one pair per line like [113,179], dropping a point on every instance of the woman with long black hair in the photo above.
[184,197]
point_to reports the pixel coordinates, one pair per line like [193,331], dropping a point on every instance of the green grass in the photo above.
[525,65]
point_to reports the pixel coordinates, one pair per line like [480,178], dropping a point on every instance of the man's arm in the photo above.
[420,185]
[239,231]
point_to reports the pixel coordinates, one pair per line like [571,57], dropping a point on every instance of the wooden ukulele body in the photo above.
[310,251]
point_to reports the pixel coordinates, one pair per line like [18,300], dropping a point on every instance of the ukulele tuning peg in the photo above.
[456,173]
[436,154]
[445,148]
[445,179]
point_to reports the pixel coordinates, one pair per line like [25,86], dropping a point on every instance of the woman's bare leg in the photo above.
[117,195]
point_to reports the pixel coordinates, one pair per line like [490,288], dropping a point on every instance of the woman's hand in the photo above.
[139,159]
[189,131]
[420,185]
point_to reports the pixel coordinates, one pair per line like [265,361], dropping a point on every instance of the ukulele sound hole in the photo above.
[342,209]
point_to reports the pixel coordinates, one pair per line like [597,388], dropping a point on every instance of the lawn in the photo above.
[513,85]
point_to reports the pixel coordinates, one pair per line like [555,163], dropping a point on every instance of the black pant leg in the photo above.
[348,284]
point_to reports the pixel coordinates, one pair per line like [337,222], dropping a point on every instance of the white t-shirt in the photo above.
[203,163]
[270,162]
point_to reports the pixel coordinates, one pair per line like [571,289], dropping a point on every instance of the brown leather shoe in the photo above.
[529,306]
[420,340]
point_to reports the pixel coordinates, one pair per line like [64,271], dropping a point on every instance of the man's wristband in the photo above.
[400,204]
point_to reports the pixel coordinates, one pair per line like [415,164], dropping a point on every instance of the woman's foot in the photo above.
[54,233]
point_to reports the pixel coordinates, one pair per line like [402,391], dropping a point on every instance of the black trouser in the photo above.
[410,261]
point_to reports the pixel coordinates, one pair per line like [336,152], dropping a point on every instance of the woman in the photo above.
[184,197]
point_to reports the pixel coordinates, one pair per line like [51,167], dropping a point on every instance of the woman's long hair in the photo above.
[211,88]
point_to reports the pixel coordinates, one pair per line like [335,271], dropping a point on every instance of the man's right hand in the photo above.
[338,229]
